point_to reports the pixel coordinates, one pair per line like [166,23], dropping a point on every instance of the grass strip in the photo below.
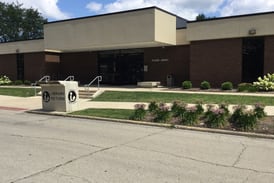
[18,92]
[106,113]
[117,96]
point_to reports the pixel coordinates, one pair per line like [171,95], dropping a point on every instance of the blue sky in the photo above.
[189,9]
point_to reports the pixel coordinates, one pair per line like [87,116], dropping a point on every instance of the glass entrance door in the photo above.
[121,66]
[253,59]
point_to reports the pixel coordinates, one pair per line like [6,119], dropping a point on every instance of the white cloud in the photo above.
[188,9]
[237,7]
[93,6]
[48,8]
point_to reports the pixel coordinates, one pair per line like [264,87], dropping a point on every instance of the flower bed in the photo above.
[214,116]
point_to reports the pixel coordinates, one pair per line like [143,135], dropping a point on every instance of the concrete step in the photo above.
[86,94]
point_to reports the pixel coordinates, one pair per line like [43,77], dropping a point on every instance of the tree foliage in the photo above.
[19,23]
[202,16]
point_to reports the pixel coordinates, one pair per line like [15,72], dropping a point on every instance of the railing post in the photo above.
[46,78]
[71,78]
[99,78]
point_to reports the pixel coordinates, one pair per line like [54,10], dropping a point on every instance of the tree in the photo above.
[202,16]
[19,23]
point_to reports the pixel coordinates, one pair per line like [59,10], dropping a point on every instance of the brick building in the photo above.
[146,45]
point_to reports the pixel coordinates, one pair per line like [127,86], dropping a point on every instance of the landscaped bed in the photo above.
[245,120]
[264,125]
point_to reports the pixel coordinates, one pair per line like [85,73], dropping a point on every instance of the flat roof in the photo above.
[231,17]
[120,12]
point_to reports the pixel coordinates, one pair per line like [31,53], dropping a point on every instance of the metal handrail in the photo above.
[98,78]
[44,78]
[71,78]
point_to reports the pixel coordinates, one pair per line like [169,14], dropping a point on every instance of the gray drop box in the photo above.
[60,96]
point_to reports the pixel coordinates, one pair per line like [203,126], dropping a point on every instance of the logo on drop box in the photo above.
[72,96]
[46,96]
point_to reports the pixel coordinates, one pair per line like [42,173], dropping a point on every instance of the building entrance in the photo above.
[121,67]
[253,59]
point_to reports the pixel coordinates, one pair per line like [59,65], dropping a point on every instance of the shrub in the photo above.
[153,107]
[187,85]
[27,82]
[242,87]
[266,83]
[259,111]
[190,116]
[199,107]
[178,108]
[139,112]
[162,113]
[215,117]
[205,85]
[225,108]
[4,80]
[18,82]
[227,86]
[243,119]
[247,119]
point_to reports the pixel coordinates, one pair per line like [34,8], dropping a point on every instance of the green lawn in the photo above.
[19,92]
[106,113]
[116,96]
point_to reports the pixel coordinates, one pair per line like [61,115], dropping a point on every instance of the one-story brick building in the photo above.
[146,44]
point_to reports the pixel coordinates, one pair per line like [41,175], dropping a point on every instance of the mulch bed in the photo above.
[265,125]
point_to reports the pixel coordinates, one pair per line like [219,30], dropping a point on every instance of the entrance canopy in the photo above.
[149,27]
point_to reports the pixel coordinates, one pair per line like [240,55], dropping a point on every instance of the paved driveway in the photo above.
[51,149]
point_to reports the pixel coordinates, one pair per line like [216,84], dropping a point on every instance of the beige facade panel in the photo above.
[22,46]
[231,27]
[165,27]
[181,38]
[121,30]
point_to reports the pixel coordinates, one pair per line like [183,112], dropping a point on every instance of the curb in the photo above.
[182,127]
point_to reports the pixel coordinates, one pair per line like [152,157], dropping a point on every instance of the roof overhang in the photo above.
[22,46]
[149,27]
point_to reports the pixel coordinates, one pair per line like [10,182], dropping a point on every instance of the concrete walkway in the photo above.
[32,103]
[130,105]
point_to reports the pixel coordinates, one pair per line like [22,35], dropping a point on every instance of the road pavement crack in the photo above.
[200,161]
[60,165]
[143,137]
[52,169]
[55,139]
[240,155]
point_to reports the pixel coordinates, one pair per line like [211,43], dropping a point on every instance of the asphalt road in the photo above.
[51,149]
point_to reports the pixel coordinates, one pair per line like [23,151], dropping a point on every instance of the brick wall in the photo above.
[8,66]
[34,66]
[216,61]
[177,64]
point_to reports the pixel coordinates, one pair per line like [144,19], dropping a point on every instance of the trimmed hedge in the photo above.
[227,86]
[187,85]
[205,85]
